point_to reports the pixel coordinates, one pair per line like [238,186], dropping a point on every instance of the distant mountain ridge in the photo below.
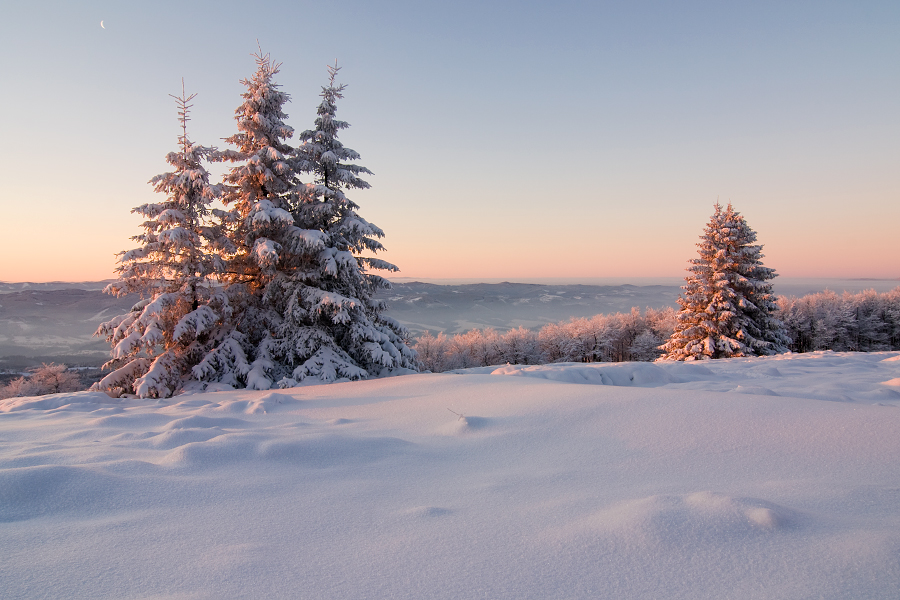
[55,321]
[7,287]
[457,308]
[56,325]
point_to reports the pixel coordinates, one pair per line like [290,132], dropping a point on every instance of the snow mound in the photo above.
[72,400]
[169,440]
[756,390]
[466,424]
[314,450]
[132,420]
[216,451]
[831,376]
[618,374]
[674,518]
[201,422]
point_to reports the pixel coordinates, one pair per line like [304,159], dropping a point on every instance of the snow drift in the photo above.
[772,477]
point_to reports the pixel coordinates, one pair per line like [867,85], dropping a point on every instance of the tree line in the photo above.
[850,322]
[601,338]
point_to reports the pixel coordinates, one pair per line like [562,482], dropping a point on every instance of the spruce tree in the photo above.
[261,194]
[299,286]
[179,316]
[332,326]
[260,189]
[727,307]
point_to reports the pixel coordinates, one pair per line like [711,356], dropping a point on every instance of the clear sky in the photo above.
[508,139]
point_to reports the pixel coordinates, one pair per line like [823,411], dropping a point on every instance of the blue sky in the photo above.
[508,140]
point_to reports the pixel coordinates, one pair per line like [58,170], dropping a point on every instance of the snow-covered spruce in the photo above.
[261,189]
[332,326]
[727,307]
[180,316]
[303,298]
[261,196]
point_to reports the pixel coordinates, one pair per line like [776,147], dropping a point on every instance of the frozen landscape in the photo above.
[773,477]
[55,322]
[592,354]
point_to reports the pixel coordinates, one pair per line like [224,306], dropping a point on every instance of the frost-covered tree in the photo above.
[860,322]
[645,346]
[519,346]
[430,352]
[261,195]
[727,307]
[48,379]
[555,343]
[330,324]
[179,316]
[261,187]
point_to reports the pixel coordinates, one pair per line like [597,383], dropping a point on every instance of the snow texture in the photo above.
[769,477]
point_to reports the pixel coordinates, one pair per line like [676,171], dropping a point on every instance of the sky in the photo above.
[508,140]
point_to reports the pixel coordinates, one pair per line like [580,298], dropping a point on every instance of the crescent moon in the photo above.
[101,25]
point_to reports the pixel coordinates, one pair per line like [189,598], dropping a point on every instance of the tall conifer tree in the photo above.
[332,325]
[175,324]
[302,296]
[727,307]
[260,193]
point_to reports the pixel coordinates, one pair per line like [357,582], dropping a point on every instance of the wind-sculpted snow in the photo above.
[634,374]
[73,401]
[736,478]
[842,377]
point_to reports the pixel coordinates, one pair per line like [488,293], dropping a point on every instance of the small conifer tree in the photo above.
[727,307]
[179,316]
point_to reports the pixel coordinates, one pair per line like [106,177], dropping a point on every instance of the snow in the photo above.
[772,477]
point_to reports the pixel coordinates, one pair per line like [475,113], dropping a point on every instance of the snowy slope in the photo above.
[776,477]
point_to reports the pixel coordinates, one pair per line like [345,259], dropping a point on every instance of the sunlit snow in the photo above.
[774,477]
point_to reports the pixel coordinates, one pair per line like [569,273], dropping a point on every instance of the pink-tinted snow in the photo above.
[761,478]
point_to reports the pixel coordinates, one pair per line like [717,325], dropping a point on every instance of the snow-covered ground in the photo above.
[776,477]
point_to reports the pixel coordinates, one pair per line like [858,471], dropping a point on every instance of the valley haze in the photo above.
[55,321]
